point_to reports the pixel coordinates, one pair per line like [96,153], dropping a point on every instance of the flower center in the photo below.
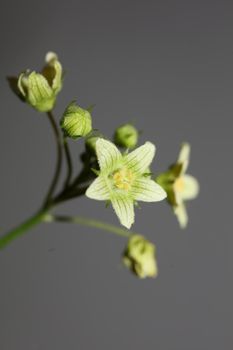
[179,184]
[123,179]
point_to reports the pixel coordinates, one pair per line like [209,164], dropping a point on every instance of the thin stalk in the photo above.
[90,223]
[59,159]
[22,229]
[69,162]
[69,193]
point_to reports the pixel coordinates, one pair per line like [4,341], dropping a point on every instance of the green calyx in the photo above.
[40,89]
[126,136]
[139,257]
[90,141]
[76,121]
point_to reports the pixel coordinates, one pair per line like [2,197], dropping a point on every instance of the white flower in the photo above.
[122,179]
[180,186]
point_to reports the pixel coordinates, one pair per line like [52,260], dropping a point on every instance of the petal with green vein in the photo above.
[124,209]
[146,190]
[108,155]
[140,159]
[98,189]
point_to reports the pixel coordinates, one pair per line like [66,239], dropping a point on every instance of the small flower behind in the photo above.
[139,257]
[40,89]
[179,186]
[126,136]
[122,179]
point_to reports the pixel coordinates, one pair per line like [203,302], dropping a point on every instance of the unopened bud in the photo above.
[40,89]
[76,121]
[126,136]
[139,257]
[90,142]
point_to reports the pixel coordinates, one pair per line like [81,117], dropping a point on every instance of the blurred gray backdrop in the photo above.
[166,66]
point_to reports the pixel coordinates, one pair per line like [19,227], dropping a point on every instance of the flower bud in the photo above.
[76,122]
[126,136]
[139,257]
[40,89]
[90,142]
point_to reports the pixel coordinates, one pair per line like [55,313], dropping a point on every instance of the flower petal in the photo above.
[191,187]
[178,198]
[181,214]
[52,71]
[98,189]
[124,209]
[147,190]
[184,157]
[140,159]
[108,155]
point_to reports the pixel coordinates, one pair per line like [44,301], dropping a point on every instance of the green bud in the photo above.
[139,257]
[126,136]
[36,91]
[90,142]
[40,89]
[76,122]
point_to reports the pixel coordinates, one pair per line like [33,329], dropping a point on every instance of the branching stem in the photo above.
[69,191]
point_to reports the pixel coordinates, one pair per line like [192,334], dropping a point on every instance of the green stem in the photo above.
[69,162]
[90,223]
[22,229]
[44,216]
[59,159]
[69,193]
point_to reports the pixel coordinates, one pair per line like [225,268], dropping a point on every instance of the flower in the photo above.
[126,136]
[122,179]
[40,89]
[139,257]
[179,185]
[76,121]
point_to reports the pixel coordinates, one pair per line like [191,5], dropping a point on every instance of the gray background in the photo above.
[167,67]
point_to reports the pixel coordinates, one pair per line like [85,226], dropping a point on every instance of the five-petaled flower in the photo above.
[179,185]
[122,179]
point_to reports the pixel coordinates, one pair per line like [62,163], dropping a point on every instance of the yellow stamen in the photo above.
[123,179]
[179,185]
